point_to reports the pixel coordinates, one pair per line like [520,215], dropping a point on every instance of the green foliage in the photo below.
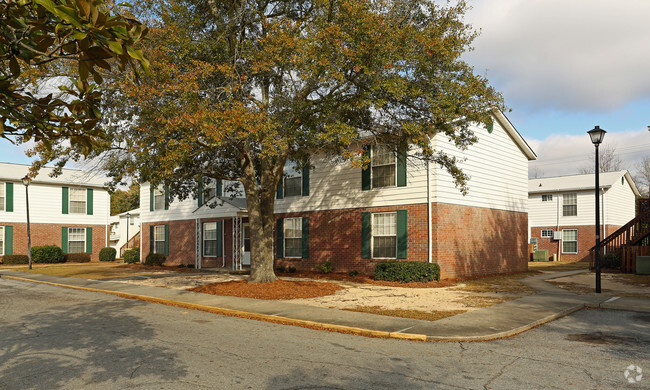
[407,271]
[123,201]
[132,256]
[15,259]
[107,254]
[181,266]
[291,269]
[77,257]
[611,260]
[281,268]
[326,267]
[37,35]
[155,259]
[47,254]
[353,273]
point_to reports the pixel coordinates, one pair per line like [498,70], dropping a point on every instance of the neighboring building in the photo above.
[70,211]
[355,218]
[562,211]
[125,227]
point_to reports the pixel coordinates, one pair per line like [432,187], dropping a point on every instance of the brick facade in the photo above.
[50,234]
[467,241]
[586,240]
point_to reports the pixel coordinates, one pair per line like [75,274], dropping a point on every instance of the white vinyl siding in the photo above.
[383,167]
[159,239]
[2,196]
[384,235]
[293,237]
[569,241]
[77,201]
[619,207]
[210,239]
[570,204]
[2,240]
[76,240]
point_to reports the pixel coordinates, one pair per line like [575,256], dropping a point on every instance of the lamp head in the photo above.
[26,180]
[597,134]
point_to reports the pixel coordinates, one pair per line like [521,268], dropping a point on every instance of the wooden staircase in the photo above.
[631,240]
[134,242]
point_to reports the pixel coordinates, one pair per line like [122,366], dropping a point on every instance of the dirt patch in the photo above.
[365,279]
[557,266]
[280,289]
[415,314]
[501,284]
[616,284]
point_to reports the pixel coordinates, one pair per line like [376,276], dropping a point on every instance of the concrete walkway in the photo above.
[502,320]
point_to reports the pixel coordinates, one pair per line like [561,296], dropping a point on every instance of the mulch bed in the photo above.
[367,279]
[280,289]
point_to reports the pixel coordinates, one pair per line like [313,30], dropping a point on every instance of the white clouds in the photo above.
[568,55]
[566,154]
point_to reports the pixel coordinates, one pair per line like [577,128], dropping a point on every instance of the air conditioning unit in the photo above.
[557,235]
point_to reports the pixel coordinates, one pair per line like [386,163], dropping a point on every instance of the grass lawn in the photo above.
[93,271]
[557,266]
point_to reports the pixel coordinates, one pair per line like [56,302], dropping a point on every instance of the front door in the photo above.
[246,244]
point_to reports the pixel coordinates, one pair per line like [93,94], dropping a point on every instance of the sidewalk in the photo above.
[502,320]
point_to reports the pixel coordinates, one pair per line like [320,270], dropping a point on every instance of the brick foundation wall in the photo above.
[586,240]
[50,234]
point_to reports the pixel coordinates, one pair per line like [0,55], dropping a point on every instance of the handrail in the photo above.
[629,234]
[132,243]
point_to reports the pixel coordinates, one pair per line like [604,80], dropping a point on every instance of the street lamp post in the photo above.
[26,181]
[128,220]
[597,134]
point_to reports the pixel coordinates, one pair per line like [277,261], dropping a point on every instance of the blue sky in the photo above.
[563,67]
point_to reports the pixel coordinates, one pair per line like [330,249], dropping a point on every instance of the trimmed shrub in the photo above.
[326,267]
[47,254]
[77,257]
[611,260]
[353,273]
[407,271]
[155,259]
[107,254]
[132,256]
[281,268]
[291,269]
[15,259]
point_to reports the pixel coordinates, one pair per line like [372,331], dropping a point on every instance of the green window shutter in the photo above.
[166,198]
[89,201]
[305,237]
[280,239]
[365,173]
[305,180]
[9,196]
[65,193]
[89,240]
[166,240]
[219,237]
[64,239]
[200,193]
[219,188]
[401,168]
[365,235]
[150,198]
[151,242]
[9,240]
[402,236]
[490,127]
[280,193]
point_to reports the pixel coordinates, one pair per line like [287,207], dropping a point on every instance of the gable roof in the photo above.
[71,177]
[514,134]
[579,182]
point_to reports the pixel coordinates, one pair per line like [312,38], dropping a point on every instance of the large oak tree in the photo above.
[238,88]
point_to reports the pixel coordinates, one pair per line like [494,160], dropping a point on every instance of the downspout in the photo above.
[429,227]
[557,226]
[602,213]
[223,244]
[108,203]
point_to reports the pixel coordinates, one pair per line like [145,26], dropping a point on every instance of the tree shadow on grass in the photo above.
[90,343]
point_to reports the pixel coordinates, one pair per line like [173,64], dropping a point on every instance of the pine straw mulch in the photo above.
[280,289]
[365,279]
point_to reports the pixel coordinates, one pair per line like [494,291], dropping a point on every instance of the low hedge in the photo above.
[77,257]
[107,254]
[155,259]
[407,271]
[15,259]
[132,256]
[611,260]
[47,254]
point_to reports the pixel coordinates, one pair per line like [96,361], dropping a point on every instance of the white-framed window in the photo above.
[547,198]
[2,240]
[158,200]
[384,235]
[210,239]
[384,167]
[209,190]
[76,240]
[159,239]
[2,196]
[293,237]
[547,232]
[570,204]
[569,240]
[292,180]
[77,201]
